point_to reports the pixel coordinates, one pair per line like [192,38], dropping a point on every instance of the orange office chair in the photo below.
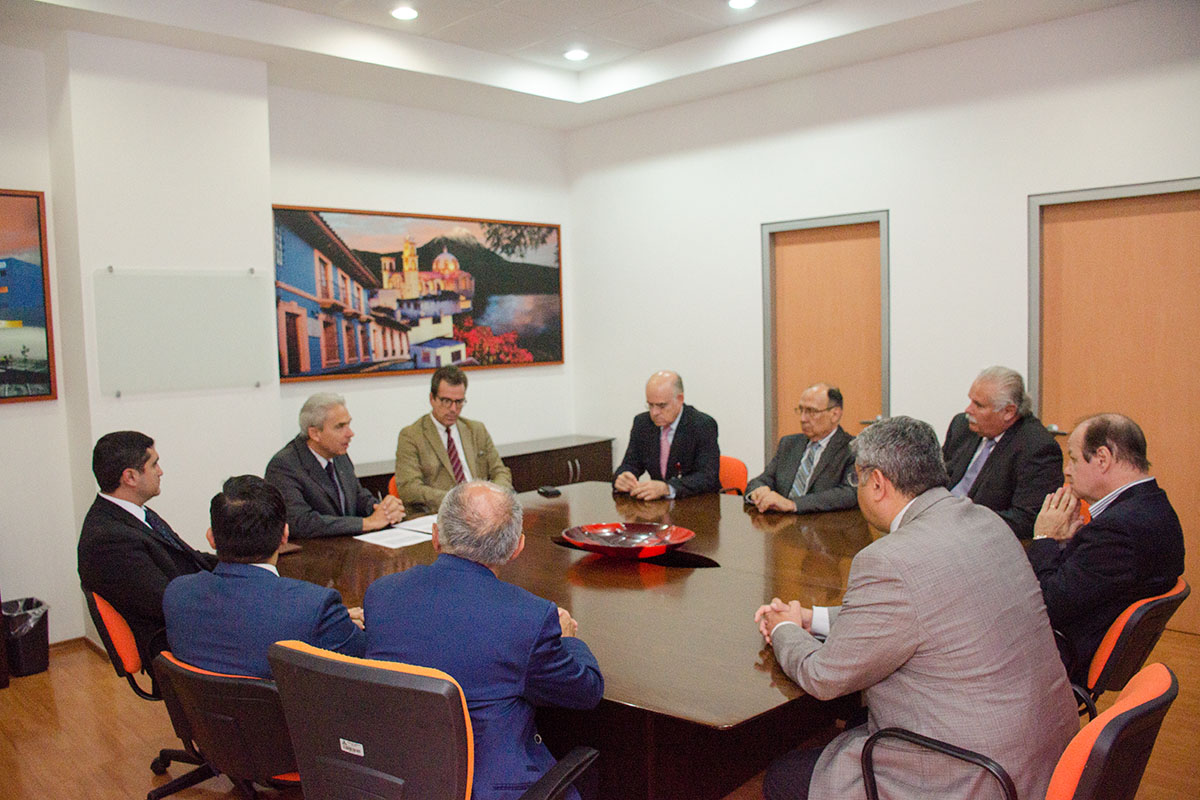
[127,661]
[1104,761]
[734,475]
[234,721]
[1127,644]
[392,487]
[384,730]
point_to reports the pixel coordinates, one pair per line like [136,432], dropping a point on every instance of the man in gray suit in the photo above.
[811,470]
[942,627]
[317,480]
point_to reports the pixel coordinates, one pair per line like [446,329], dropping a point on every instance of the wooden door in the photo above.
[827,289]
[1120,331]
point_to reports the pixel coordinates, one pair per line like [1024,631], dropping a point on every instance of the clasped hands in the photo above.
[1060,516]
[777,611]
[642,490]
[388,511]
[766,499]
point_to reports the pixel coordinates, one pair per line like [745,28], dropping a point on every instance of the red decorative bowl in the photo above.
[628,539]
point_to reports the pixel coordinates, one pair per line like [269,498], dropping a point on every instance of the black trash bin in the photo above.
[27,635]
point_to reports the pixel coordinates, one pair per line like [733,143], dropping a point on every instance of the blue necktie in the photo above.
[800,485]
[963,487]
[163,530]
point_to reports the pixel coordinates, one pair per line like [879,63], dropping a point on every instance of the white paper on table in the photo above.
[394,537]
[423,524]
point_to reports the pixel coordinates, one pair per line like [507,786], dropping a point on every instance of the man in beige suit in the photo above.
[942,628]
[442,449]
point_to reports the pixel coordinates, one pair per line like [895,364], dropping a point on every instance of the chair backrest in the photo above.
[236,721]
[392,490]
[1131,637]
[373,729]
[733,474]
[118,641]
[1106,759]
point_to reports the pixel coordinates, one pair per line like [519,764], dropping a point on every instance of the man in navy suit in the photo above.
[999,454]
[811,470]
[225,620]
[1131,549]
[323,495]
[127,553]
[673,443]
[508,649]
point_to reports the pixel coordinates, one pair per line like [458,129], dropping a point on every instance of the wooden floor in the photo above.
[77,731]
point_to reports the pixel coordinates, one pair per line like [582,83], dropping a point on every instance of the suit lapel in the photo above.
[677,441]
[467,436]
[433,435]
[998,455]
[318,476]
[827,455]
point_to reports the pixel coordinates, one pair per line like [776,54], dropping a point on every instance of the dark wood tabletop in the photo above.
[674,636]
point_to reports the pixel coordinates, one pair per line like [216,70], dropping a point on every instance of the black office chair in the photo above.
[235,722]
[1104,761]
[379,730]
[126,659]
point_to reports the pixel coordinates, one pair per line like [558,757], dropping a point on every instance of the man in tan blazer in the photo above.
[942,628]
[442,449]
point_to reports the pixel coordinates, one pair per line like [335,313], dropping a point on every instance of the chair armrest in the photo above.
[1085,700]
[1007,787]
[555,783]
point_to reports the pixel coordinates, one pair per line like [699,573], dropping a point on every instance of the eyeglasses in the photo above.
[805,411]
[858,476]
[446,402]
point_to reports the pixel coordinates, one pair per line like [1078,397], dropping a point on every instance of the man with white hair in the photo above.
[999,454]
[509,650]
[316,477]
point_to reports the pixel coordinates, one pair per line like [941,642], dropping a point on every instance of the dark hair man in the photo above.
[225,621]
[1131,549]
[941,627]
[999,454]
[316,477]
[443,448]
[508,649]
[811,470]
[127,553]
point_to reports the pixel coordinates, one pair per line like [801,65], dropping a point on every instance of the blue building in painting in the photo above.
[325,322]
[22,294]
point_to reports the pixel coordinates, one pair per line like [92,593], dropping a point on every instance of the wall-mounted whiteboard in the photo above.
[162,331]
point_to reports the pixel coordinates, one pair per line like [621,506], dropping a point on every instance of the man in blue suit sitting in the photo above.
[225,620]
[508,649]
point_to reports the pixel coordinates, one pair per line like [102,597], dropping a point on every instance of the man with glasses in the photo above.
[443,449]
[811,471]
[943,630]
[317,480]
[673,443]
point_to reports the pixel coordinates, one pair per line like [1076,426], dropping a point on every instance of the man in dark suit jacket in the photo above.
[225,620]
[811,470]
[1131,549]
[508,649]
[127,553]
[998,454]
[692,464]
[316,477]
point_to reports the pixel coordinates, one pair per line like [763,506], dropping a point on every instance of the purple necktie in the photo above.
[455,462]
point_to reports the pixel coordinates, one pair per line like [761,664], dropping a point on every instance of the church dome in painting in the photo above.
[445,262]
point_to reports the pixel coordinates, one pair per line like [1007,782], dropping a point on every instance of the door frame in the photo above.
[1036,202]
[768,283]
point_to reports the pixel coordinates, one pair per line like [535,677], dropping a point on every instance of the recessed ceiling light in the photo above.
[741,5]
[576,54]
[408,12]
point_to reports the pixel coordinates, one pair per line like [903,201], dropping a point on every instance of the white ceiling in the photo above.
[502,59]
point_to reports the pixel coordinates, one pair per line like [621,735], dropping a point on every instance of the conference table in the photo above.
[694,704]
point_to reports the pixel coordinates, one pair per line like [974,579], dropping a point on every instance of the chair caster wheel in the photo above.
[159,766]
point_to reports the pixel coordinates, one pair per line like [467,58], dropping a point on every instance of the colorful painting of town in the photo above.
[26,341]
[362,293]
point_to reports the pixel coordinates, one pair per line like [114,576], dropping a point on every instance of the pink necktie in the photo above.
[664,450]
[455,463]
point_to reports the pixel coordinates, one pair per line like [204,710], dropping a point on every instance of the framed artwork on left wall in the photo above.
[26,332]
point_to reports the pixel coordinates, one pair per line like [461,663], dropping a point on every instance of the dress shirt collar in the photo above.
[670,429]
[896,520]
[458,443]
[322,460]
[132,508]
[1097,508]
[821,444]
[268,567]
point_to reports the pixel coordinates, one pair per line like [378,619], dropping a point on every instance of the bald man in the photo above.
[672,443]
[811,470]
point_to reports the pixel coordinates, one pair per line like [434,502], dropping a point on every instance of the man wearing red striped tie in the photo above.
[443,448]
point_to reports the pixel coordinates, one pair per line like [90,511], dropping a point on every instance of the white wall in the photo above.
[950,140]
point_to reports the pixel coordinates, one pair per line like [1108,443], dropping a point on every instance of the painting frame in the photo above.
[363,294]
[25,307]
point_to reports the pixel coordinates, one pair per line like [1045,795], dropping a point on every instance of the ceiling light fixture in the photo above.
[406,13]
[576,54]
[741,5]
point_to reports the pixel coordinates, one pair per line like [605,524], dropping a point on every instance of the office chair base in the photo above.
[187,780]
[167,757]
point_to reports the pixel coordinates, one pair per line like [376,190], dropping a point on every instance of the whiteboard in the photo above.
[162,331]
